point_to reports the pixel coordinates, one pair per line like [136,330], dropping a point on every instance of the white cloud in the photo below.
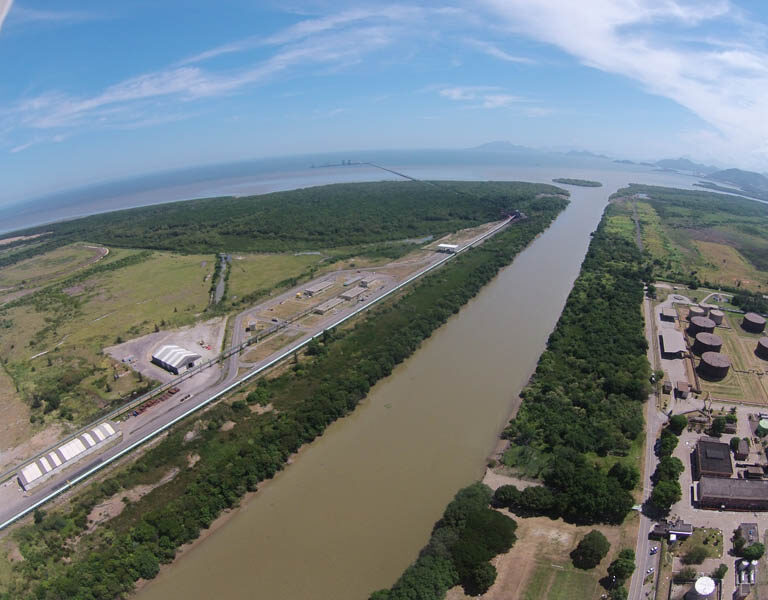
[481,96]
[5,6]
[497,52]
[121,105]
[723,82]
[24,15]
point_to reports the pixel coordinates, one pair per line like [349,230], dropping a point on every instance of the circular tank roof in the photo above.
[716,359]
[710,339]
[754,318]
[763,423]
[763,341]
[703,322]
[717,312]
[704,586]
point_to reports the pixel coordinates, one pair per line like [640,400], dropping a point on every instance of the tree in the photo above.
[695,556]
[622,568]
[591,550]
[720,572]
[677,424]
[668,469]
[146,563]
[753,552]
[685,574]
[718,426]
[506,496]
[620,593]
[734,443]
[667,443]
[536,499]
[481,578]
[665,494]
[627,475]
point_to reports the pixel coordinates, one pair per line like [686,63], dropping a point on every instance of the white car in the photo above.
[649,571]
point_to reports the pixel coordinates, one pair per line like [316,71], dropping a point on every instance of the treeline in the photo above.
[328,216]
[586,396]
[580,182]
[468,535]
[318,390]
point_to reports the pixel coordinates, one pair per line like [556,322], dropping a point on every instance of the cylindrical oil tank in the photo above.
[762,348]
[707,308]
[699,324]
[717,316]
[753,322]
[696,311]
[714,365]
[703,589]
[707,342]
[762,427]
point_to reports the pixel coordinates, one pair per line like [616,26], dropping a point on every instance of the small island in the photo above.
[581,182]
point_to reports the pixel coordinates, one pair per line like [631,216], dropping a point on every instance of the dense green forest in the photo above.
[61,561]
[328,216]
[581,182]
[585,398]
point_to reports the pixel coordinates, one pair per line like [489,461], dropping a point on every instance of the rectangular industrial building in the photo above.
[733,494]
[38,471]
[318,287]
[668,314]
[174,358]
[672,341]
[352,293]
[328,305]
[351,280]
[713,459]
[448,248]
[368,281]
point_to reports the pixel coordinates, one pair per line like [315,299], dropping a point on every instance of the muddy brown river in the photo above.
[353,510]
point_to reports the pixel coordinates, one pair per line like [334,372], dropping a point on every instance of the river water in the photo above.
[353,510]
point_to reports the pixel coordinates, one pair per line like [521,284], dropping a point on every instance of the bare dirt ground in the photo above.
[14,426]
[138,352]
[10,240]
[494,479]
[114,505]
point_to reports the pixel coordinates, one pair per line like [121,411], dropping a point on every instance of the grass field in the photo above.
[71,372]
[48,267]
[252,272]
[695,235]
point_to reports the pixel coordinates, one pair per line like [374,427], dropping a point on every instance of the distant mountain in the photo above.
[624,161]
[501,146]
[586,153]
[744,179]
[683,164]
[756,184]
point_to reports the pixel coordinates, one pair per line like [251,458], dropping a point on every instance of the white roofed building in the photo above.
[36,472]
[174,358]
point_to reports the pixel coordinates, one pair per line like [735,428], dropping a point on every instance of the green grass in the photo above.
[43,269]
[252,272]
[167,290]
[572,585]
[698,538]
[538,583]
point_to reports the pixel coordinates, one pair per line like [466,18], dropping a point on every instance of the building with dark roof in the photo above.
[713,459]
[677,528]
[733,494]
[742,452]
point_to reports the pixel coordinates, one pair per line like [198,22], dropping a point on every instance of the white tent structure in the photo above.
[174,358]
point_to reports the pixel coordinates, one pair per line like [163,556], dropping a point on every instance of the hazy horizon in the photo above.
[106,92]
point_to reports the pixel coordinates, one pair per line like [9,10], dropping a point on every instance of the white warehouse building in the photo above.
[36,472]
[174,358]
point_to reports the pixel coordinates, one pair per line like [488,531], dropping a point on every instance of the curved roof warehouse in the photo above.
[172,358]
[36,472]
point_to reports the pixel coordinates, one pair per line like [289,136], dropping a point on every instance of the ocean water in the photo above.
[277,174]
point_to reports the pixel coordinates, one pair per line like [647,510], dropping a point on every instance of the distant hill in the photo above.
[586,153]
[624,161]
[683,164]
[746,180]
[754,185]
[501,146]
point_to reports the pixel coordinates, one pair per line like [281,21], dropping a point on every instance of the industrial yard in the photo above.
[715,377]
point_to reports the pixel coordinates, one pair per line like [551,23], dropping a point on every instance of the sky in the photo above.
[91,90]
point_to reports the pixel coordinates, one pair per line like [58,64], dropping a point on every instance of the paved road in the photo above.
[654,420]
[14,503]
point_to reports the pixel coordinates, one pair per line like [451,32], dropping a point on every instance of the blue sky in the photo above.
[91,91]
